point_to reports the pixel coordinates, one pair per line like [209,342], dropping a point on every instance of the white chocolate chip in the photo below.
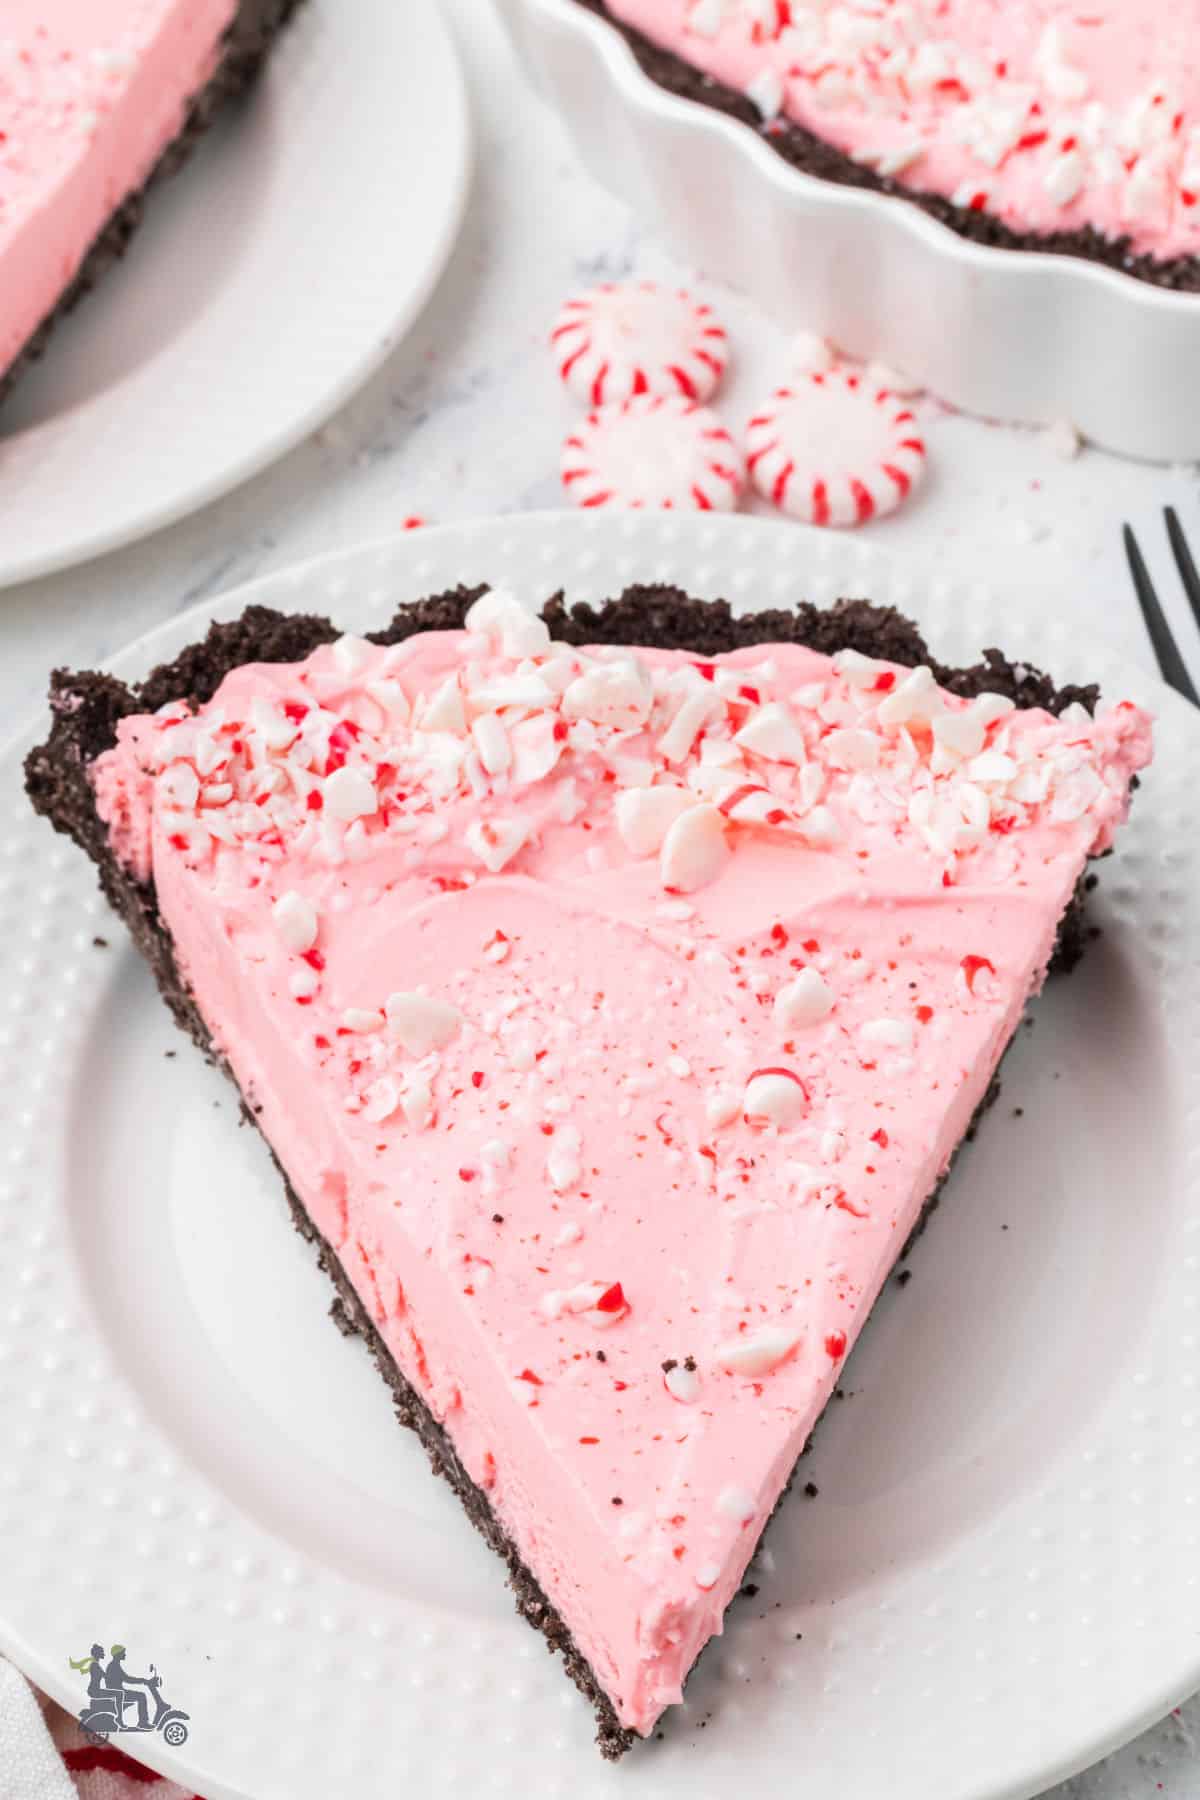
[356,1018]
[178,786]
[857,670]
[698,708]
[1064,177]
[645,814]
[536,748]
[757,1352]
[296,921]
[443,710]
[495,841]
[417,1103]
[992,767]
[682,1384]
[420,1023]
[350,654]
[991,707]
[393,699]
[381,1100]
[693,850]
[772,733]
[736,1503]
[272,728]
[893,1034]
[349,794]
[774,1097]
[562,1164]
[500,617]
[852,749]
[916,697]
[491,743]
[962,732]
[618,693]
[806,1000]
[765,90]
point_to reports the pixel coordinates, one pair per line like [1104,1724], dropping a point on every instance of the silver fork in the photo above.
[1171,663]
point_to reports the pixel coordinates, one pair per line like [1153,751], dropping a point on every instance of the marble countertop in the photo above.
[466,418]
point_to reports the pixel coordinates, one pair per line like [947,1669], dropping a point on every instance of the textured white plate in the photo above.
[1007,334]
[997,1582]
[266,282]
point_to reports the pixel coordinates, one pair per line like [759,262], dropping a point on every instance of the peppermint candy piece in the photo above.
[653,452]
[833,449]
[629,338]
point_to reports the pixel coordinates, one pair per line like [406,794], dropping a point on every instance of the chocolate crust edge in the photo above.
[813,156]
[247,43]
[87,708]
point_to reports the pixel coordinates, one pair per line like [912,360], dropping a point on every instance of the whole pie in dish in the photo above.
[98,100]
[1028,125]
[613,1014]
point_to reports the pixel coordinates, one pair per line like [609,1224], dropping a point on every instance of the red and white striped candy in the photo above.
[637,338]
[653,452]
[833,449]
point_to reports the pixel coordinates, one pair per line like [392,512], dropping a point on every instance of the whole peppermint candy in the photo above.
[653,452]
[624,339]
[832,448]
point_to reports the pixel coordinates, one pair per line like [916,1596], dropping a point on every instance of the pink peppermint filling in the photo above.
[616,1096]
[1051,118]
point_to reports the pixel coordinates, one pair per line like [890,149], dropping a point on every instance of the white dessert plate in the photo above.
[996,1582]
[267,280]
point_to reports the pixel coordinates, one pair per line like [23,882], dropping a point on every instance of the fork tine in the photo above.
[1174,670]
[1183,561]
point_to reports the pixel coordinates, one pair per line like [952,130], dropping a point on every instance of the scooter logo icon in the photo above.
[119,1701]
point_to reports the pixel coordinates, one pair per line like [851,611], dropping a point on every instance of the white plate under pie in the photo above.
[997,1580]
[265,283]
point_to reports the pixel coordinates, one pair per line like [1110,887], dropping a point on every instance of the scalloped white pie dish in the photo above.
[1008,334]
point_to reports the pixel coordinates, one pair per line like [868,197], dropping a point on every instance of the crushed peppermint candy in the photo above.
[775,1097]
[806,1000]
[296,921]
[522,738]
[757,1352]
[601,1304]
[736,1503]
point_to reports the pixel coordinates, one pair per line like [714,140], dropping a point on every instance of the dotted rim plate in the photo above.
[1048,1621]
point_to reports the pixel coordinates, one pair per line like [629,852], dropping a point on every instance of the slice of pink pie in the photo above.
[613,1014]
[99,99]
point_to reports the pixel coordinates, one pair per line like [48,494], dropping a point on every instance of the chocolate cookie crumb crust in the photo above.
[246,45]
[813,156]
[87,708]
